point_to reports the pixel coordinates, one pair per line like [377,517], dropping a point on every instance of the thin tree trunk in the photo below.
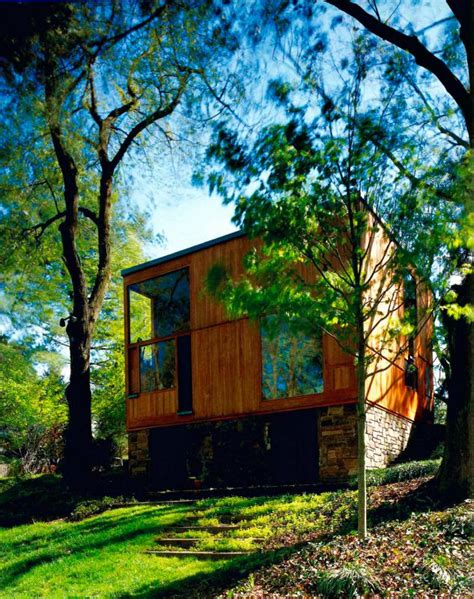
[361,423]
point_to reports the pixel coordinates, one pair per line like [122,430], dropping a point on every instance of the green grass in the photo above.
[104,554]
[402,472]
[101,556]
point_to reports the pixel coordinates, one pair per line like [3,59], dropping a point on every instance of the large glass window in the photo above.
[159,307]
[292,363]
[157,366]
[158,312]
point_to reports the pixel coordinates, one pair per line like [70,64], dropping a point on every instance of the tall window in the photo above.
[158,314]
[410,314]
[410,307]
[292,363]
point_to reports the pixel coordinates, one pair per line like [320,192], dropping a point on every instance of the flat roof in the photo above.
[185,252]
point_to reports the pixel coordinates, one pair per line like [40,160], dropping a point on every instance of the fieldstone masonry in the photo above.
[386,436]
[138,453]
[337,442]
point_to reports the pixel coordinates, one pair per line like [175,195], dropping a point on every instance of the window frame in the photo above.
[136,345]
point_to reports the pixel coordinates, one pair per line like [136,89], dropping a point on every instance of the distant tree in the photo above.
[310,189]
[83,84]
[32,409]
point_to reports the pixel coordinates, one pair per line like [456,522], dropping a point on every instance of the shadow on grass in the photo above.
[423,497]
[207,585]
[77,538]
[46,497]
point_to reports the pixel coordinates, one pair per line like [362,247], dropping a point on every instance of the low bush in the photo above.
[402,472]
[92,507]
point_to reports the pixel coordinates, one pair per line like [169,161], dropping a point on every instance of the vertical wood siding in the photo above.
[226,357]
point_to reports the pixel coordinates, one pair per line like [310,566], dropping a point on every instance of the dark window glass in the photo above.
[159,307]
[157,366]
[411,374]
[410,307]
[292,363]
[185,387]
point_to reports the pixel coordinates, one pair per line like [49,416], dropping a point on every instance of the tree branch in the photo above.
[120,36]
[38,229]
[158,114]
[412,45]
[460,9]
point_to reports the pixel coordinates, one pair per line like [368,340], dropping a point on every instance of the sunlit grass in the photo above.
[105,555]
[101,556]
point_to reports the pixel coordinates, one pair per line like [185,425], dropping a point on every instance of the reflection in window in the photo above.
[157,366]
[428,381]
[410,307]
[292,363]
[159,307]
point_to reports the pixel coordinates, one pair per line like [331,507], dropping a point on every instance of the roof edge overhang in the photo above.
[181,253]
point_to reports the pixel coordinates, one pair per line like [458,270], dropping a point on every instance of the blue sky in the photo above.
[187,216]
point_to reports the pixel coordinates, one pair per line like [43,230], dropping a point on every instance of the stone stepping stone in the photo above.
[189,542]
[215,555]
[176,542]
[205,528]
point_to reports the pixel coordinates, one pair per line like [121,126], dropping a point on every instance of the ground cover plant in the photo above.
[302,545]
[428,554]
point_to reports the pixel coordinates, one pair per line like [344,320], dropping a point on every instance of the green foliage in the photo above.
[32,410]
[308,187]
[92,507]
[351,580]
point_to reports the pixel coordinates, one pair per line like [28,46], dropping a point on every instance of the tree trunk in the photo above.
[456,475]
[78,440]
[361,424]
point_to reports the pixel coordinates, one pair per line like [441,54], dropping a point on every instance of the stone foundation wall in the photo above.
[337,435]
[386,436]
[138,453]
[250,450]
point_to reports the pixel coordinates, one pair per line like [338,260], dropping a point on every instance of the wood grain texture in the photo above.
[386,375]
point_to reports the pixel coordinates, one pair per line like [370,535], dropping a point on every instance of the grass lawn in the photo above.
[289,538]
[104,555]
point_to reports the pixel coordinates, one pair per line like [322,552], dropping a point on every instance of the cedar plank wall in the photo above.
[387,388]
[226,361]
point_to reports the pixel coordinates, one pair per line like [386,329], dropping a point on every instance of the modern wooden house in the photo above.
[224,402]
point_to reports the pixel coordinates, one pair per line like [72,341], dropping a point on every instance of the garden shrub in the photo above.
[351,580]
[92,507]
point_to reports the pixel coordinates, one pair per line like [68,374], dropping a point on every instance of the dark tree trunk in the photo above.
[78,441]
[456,475]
